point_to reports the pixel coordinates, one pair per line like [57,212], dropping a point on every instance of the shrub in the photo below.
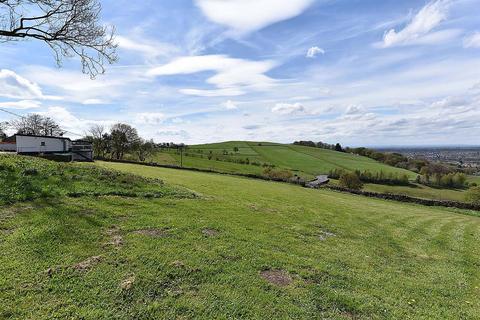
[350,180]
[279,175]
[374,177]
[473,195]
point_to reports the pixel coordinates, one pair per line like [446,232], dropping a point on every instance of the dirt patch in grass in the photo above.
[324,235]
[178,264]
[154,233]
[209,232]
[279,278]
[6,231]
[128,283]
[116,239]
[87,264]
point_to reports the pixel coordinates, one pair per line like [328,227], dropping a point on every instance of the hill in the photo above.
[241,249]
[249,157]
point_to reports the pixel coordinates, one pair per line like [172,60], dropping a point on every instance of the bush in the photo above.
[350,180]
[278,175]
[393,179]
[444,180]
[473,195]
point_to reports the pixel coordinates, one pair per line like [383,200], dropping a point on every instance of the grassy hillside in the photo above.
[29,178]
[244,249]
[304,161]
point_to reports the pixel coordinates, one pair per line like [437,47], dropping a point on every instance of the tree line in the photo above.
[118,141]
[321,145]
[33,124]
[393,179]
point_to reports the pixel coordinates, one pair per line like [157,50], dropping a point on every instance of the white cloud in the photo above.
[428,18]
[233,76]
[453,101]
[314,51]
[16,87]
[22,104]
[288,108]
[472,41]
[93,102]
[72,123]
[354,109]
[149,118]
[150,49]
[244,16]
[229,92]
[230,105]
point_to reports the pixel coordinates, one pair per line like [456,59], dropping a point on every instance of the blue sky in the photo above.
[359,72]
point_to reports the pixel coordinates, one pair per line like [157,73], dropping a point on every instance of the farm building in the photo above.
[46,145]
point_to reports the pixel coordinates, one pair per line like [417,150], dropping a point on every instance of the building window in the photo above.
[42,144]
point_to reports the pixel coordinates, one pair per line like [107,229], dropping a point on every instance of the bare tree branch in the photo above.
[69,27]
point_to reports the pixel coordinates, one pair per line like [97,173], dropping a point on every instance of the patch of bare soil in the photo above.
[324,235]
[210,232]
[116,239]
[279,278]
[178,264]
[154,233]
[348,315]
[128,283]
[87,264]
[6,231]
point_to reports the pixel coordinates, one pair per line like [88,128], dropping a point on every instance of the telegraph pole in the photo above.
[181,157]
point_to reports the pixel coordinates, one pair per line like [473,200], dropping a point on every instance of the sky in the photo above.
[358,72]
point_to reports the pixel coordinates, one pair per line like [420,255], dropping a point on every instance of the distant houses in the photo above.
[77,150]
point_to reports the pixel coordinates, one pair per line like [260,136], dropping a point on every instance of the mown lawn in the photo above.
[334,255]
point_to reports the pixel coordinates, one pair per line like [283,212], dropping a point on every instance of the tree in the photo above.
[69,27]
[99,138]
[36,124]
[338,147]
[351,180]
[235,149]
[3,135]
[123,138]
[143,148]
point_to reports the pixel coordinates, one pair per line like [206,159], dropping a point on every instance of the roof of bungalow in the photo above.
[13,138]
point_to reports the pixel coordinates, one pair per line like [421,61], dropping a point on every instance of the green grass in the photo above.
[306,162]
[28,178]
[475,179]
[387,260]
[419,191]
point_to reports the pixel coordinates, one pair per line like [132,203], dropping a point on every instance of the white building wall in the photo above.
[30,144]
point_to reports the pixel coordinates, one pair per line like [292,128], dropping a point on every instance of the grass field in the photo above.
[242,249]
[303,161]
[416,191]
[475,179]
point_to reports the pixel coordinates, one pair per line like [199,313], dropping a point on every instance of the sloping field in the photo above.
[305,161]
[245,249]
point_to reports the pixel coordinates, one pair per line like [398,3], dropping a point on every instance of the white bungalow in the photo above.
[44,145]
[32,144]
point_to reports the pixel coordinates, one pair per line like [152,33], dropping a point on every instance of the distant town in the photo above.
[464,157]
